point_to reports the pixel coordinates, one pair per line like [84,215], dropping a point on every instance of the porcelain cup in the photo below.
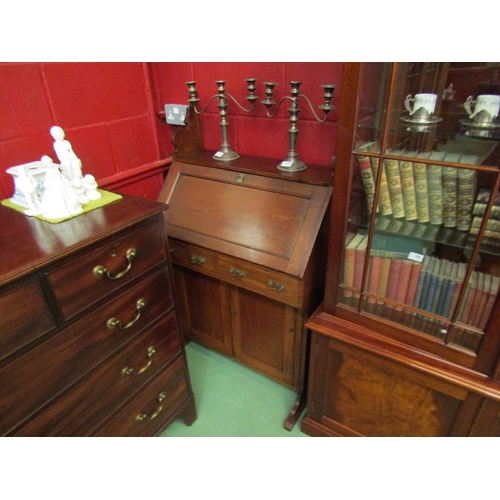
[489,104]
[426,101]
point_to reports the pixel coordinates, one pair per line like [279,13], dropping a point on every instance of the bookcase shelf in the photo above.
[413,274]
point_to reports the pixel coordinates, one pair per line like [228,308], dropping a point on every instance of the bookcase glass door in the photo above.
[422,245]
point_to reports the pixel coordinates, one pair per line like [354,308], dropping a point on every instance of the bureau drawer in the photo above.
[43,373]
[91,277]
[149,412]
[278,286]
[24,316]
[193,257]
[82,411]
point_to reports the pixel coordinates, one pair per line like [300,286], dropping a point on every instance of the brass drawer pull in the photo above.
[141,417]
[116,323]
[100,271]
[128,370]
[274,285]
[196,259]
[237,273]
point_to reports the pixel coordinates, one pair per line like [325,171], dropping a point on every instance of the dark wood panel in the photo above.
[147,242]
[151,410]
[24,316]
[46,242]
[82,411]
[45,372]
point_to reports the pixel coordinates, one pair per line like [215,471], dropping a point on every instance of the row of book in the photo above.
[416,191]
[406,277]
[491,235]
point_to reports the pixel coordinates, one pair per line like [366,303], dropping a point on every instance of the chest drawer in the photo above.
[80,413]
[24,316]
[52,367]
[153,407]
[277,286]
[193,257]
[91,277]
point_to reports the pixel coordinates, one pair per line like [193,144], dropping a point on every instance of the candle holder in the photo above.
[225,153]
[292,162]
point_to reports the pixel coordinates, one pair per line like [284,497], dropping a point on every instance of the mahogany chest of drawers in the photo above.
[89,343]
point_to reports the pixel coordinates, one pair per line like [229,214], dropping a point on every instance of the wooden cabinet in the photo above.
[248,263]
[416,189]
[89,341]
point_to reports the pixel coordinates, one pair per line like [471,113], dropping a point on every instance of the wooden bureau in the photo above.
[248,262]
[89,343]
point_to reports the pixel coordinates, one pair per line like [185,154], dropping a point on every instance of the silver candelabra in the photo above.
[225,153]
[292,162]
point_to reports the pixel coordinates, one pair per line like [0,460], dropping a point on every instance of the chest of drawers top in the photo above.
[28,244]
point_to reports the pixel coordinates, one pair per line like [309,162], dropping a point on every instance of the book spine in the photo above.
[479,209]
[465,198]
[413,284]
[392,285]
[484,292]
[385,266]
[373,277]
[384,198]
[431,291]
[445,309]
[420,284]
[368,180]
[359,263]
[395,188]
[435,183]
[349,259]
[403,283]
[408,187]
[450,196]
[490,302]
[421,192]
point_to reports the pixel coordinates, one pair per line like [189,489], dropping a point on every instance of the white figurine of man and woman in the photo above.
[66,189]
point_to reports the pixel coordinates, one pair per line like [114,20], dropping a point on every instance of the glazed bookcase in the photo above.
[407,340]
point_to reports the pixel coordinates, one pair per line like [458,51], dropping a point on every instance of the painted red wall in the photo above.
[254,133]
[109,112]
[105,109]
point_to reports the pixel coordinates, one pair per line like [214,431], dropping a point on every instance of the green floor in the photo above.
[233,400]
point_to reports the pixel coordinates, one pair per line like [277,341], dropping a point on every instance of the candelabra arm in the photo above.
[227,94]
[321,120]
[208,104]
[278,105]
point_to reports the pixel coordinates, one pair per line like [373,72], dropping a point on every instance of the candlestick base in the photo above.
[225,154]
[292,164]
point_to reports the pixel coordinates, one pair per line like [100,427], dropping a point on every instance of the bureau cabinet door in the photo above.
[204,310]
[267,335]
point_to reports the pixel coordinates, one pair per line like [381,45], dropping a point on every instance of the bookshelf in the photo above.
[411,296]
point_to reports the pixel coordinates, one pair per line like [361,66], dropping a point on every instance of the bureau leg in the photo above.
[190,414]
[296,411]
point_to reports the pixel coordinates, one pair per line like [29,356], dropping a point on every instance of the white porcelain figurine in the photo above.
[59,198]
[90,185]
[71,166]
[27,184]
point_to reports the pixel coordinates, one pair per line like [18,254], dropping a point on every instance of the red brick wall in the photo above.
[109,113]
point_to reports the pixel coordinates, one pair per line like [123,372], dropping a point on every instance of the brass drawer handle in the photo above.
[237,273]
[274,285]
[100,271]
[116,323]
[141,417]
[128,370]
[196,259]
